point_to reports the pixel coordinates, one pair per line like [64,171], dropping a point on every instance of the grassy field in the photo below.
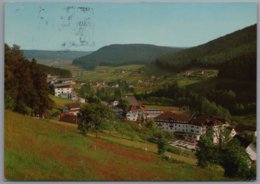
[144,78]
[60,102]
[45,150]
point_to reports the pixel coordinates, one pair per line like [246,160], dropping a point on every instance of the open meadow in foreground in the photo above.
[48,150]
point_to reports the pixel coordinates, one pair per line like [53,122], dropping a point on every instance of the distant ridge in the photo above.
[53,55]
[213,53]
[123,54]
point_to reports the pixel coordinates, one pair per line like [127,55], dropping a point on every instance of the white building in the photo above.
[251,151]
[114,103]
[152,113]
[191,127]
[51,78]
[63,90]
[132,115]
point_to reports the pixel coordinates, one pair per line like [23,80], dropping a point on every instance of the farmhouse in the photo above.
[135,113]
[51,79]
[69,117]
[73,108]
[63,90]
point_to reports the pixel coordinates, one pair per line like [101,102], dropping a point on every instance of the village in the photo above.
[186,128]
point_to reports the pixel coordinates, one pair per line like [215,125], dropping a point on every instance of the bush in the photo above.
[9,102]
[173,150]
[54,112]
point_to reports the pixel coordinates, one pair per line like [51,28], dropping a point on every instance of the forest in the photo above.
[26,88]
[213,53]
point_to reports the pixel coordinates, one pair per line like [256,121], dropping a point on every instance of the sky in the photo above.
[89,26]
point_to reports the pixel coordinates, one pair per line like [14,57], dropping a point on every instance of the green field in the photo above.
[143,77]
[49,150]
[60,102]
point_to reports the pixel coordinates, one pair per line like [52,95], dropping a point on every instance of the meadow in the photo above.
[38,149]
[145,78]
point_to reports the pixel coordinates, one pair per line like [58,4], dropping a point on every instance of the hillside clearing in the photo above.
[34,146]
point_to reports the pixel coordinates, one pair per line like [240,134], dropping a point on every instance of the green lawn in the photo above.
[44,150]
[60,102]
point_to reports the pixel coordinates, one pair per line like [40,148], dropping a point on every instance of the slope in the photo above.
[44,150]
[212,53]
[123,54]
[54,55]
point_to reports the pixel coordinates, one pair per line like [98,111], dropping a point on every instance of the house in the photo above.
[130,86]
[249,147]
[152,113]
[118,112]
[66,80]
[69,117]
[101,84]
[51,79]
[190,127]
[208,122]
[78,99]
[63,90]
[251,151]
[231,132]
[134,113]
[176,123]
[73,108]
[113,103]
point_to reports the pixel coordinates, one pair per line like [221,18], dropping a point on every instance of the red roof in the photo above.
[68,117]
[173,116]
[73,105]
[208,120]
[134,108]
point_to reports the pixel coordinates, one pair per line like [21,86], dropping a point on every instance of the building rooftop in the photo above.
[173,116]
[73,105]
[243,128]
[207,120]
[62,85]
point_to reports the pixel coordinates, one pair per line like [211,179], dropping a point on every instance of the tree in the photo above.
[92,115]
[229,154]
[235,160]
[93,99]
[124,104]
[26,88]
[9,102]
[86,89]
[206,152]
[162,143]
